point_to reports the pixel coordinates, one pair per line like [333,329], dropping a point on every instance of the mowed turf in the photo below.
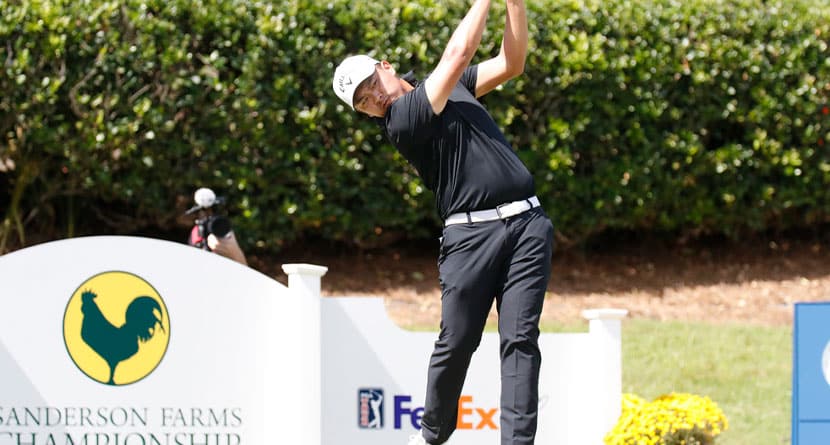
[746,370]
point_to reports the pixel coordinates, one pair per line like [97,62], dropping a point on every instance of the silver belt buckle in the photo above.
[498,209]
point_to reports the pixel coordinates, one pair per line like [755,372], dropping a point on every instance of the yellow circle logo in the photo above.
[116,328]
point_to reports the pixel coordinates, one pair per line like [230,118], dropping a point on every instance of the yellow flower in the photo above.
[670,419]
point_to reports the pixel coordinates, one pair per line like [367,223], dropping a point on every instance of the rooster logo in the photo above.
[116,328]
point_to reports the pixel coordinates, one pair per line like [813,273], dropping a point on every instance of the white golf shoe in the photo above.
[417,439]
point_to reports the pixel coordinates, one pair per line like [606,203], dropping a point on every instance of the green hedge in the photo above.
[684,117]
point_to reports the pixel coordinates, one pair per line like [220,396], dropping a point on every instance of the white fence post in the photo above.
[304,281]
[605,326]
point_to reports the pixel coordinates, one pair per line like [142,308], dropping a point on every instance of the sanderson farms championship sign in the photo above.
[131,341]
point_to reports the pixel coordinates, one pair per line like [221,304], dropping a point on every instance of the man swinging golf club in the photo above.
[497,240]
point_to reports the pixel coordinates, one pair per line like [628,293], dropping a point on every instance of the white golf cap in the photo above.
[348,75]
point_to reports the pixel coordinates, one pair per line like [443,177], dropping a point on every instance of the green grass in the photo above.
[746,370]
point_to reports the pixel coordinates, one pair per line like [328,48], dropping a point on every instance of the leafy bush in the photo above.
[685,117]
[673,419]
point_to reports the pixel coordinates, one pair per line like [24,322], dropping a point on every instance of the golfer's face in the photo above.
[376,93]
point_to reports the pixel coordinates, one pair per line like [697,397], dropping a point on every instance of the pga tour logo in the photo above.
[370,408]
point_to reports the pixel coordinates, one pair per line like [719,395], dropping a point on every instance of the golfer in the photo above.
[497,241]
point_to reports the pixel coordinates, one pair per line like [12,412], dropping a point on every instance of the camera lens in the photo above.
[219,226]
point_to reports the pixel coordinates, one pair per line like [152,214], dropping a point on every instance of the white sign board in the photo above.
[134,341]
[371,364]
[223,324]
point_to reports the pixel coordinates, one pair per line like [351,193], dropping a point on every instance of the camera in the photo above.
[207,223]
[214,224]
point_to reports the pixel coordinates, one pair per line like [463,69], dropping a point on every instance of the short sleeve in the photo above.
[469,79]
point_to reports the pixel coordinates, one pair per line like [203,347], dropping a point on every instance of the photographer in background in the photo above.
[213,232]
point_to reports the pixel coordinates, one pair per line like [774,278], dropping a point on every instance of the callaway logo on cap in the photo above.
[348,75]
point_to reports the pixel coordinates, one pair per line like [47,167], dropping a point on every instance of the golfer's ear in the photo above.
[386,66]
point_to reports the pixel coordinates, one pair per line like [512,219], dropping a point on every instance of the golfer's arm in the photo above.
[510,62]
[457,55]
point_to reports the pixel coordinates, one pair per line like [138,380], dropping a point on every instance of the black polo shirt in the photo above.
[461,154]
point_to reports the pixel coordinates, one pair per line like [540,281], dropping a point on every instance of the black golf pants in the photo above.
[508,261]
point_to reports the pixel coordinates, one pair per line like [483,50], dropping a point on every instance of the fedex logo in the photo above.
[469,416]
